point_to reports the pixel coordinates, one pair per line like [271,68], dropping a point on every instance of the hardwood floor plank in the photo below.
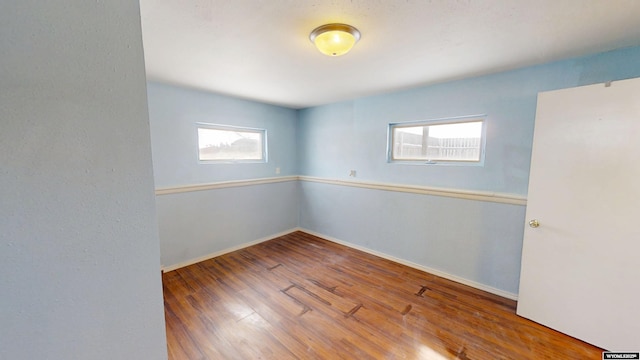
[302,297]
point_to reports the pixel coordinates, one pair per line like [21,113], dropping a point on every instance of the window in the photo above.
[221,143]
[437,141]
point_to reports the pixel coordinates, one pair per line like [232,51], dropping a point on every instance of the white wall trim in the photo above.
[502,198]
[223,184]
[433,271]
[225,251]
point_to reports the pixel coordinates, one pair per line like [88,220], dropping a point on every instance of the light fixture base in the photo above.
[334,39]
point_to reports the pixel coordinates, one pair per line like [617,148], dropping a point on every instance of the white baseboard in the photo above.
[433,271]
[225,251]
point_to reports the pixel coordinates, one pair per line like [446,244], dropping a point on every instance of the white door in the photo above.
[581,265]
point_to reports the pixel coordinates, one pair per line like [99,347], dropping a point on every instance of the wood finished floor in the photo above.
[302,297]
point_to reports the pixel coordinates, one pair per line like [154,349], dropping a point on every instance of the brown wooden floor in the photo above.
[302,297]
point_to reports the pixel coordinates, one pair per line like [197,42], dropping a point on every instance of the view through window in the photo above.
[454,141]
[225,143]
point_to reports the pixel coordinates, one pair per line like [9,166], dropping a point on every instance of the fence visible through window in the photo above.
[460,141]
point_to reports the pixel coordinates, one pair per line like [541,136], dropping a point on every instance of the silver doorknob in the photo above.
[534,223]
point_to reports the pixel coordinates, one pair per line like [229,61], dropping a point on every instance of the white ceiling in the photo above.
[260,49]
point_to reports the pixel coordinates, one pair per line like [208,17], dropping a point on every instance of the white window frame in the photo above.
[262,132]
[441,121]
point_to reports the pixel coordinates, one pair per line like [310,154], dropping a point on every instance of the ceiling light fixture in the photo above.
[334,39]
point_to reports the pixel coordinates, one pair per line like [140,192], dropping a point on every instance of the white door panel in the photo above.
[580,267]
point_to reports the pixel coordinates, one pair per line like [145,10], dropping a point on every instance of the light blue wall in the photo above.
[79,254]
[196,224]
[174,111]
[336,138]
[474,240]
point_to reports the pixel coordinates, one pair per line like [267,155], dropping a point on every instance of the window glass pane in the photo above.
[232,144]
[460,141]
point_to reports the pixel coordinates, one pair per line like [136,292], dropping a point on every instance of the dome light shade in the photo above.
[334,39]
